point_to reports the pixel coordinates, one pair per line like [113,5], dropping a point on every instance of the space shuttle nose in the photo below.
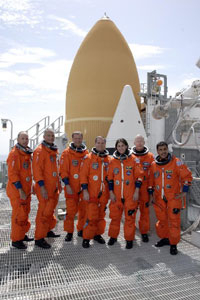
[102,67]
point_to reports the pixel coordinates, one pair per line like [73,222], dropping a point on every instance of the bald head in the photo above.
[49,136]
[22,138]
[139,142]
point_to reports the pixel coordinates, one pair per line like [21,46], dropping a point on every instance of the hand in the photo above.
[181,196]
[86,195]
[69,189]
[151,199]
[112,196]
[22,194]
[136,195]
[44,192]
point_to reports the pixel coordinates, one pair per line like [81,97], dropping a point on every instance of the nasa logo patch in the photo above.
[25,165]
[117,182]
[74,163]
[76,176]
[52,158]
[156,174]
[116,171]
[95,166]
[95,177]
[168,186]
[146,163]
[179,163]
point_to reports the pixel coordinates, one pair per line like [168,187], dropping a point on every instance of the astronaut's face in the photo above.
[163,151]
[77,139]
[23,140]
[100,144]
[139,143]
[121,148]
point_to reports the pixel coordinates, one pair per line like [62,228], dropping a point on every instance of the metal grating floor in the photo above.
[67,271]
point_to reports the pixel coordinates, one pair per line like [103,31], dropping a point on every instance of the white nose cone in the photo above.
[127,122]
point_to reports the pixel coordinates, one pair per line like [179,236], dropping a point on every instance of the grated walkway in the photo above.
[67,271]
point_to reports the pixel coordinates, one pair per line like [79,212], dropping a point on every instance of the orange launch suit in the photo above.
[145,158]
[167,180]
[70,163]
[45,172]
[93,177]
[19,176]
[123,175]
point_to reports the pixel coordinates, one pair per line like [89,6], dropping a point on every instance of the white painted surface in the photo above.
[127,122]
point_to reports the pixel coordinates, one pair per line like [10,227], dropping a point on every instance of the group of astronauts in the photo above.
[129,180]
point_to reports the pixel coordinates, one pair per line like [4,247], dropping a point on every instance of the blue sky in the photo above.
[39,40]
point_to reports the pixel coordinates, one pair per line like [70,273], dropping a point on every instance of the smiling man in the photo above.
[168,184]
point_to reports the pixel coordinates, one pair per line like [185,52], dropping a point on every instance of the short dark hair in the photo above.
[77,132]
[122,140]
[160,144]
[100,137]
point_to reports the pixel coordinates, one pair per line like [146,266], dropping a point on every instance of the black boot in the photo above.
[162,242]
[86,243]
[129,244]
[80,233]
[27,239]
[51,234]
[42,244]
[145,238]
[111,241]
[99,239]
[19,245]
[69,237]
[173,250]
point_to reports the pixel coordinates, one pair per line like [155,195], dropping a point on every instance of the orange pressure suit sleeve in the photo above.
[13,163]
[185,175]
[65,167]
[111,175]
[151,180]
[38,165]
[84,173]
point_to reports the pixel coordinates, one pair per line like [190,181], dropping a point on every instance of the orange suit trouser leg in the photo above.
[162,228]
[72,209]
[101,224]
[174,220]
[90,228]
[116,210]
[81,214]
[45,219]
[129,224]
[144,221]
[20,224]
